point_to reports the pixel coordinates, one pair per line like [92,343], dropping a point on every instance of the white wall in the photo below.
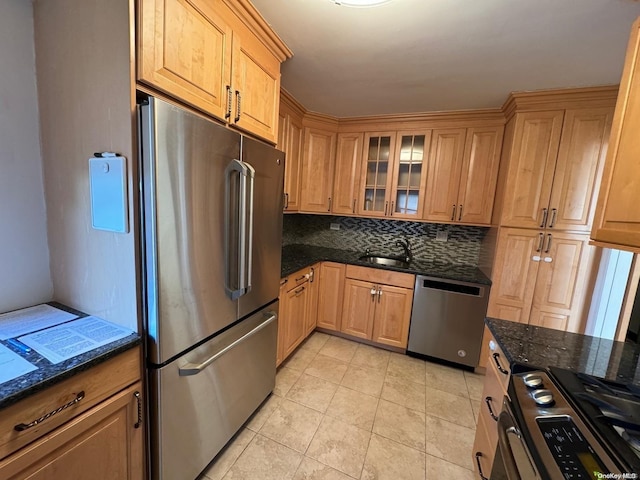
[25,278]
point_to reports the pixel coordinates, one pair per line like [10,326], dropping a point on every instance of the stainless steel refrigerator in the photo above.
[211,204]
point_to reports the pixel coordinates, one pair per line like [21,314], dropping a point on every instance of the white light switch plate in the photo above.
[108,183]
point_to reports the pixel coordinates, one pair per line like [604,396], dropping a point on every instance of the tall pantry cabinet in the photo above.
[552,163]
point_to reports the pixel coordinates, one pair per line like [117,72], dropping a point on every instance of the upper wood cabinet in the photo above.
[317,170]
[393,176]
[555,167]
[542,278]
[617,221]
[201,52]
[347,173]
[290,141]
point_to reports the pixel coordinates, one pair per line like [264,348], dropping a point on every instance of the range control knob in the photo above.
[543,397]
[532,380]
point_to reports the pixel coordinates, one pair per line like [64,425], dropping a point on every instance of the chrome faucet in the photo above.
[406,246]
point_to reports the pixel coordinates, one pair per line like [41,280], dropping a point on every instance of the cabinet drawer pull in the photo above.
[286,201]
[23,426]
[500,369]
[488,402]
[299,291]
[545,214]
[301,277]
[460,213]
[482,477]
[139,402]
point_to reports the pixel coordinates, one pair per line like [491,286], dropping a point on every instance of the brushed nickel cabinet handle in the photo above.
[548,243]
[554,214]
[24,426]
[392,205]
[329,209]
[299,291]
[229,101]
[238,106]
[386,206]
[301,277]
[312,275]
[373,293]
[488,402]
[453,213]
[139,402]
[460,214]
[482,477]
[500,368]
[545,214]
[354,205]
[540,242]
[379,294]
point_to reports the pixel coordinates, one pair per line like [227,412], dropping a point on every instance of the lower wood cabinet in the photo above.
[101,444]
[330,294]
[377,305]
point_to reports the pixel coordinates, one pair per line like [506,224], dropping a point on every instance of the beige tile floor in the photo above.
[343,410]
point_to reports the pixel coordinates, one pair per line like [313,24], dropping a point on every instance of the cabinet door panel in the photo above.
[515,274]
[347,173]
[256,84]
[392,316]
[185,51]
[618,216]
[330,294]
[358,307]
[376,175]
[479,174]
[410,175]
[101,444]
[443,178]
[585,136]
[295,136]
[563,283]
[317,170]
[533,158]
[295,318]
[312,304]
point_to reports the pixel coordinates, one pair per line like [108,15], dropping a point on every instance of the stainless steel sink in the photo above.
[382,260]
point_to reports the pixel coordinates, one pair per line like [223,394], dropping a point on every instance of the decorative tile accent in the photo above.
[380,236]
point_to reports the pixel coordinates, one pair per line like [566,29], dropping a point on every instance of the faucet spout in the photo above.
[406,246]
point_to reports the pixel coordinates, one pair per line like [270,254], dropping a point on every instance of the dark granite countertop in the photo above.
[48,374]
[295,257]
[531,346]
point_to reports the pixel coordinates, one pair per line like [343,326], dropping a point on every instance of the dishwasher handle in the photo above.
[450,286]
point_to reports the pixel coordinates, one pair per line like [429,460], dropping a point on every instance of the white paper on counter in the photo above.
[73,338]
[12,365]
[27,320]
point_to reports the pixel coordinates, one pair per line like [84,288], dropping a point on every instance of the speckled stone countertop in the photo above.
[295,257]
[527,346]
[49,374]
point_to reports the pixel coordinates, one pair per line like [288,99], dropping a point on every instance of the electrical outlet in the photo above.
[442,236]
[334,226]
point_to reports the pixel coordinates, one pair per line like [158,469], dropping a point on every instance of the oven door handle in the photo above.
[507,426]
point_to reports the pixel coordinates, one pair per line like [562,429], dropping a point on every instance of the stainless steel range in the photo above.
[566,425]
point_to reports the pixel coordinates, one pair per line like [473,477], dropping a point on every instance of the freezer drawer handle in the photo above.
[24,426]
[196,368]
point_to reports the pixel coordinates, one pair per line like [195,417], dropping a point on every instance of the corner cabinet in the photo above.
[393,177]
[203,53]
[290,141]
[617,221]
[317,170]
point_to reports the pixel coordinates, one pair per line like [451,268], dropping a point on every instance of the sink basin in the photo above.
[382,260]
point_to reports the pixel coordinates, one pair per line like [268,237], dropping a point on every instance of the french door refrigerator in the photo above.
[211,204]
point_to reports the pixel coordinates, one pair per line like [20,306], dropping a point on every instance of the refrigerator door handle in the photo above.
[235,234]
[251,175]
[195,368]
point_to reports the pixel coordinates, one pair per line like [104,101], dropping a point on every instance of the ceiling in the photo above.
[434,55]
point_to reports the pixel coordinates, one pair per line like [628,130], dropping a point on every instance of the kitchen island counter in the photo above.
[528,346]
[296,257]
[48,374]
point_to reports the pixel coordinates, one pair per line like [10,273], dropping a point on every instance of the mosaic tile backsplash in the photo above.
[357,234]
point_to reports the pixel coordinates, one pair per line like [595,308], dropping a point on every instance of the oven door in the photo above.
[513,460]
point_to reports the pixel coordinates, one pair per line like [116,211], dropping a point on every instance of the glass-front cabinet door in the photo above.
[377,174]
[410,173]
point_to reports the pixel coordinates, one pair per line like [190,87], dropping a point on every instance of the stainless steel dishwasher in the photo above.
[447,319]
